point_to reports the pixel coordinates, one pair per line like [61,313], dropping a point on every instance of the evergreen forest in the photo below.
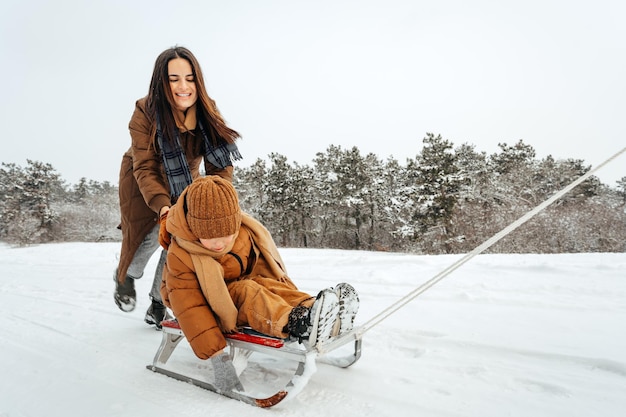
[447,200]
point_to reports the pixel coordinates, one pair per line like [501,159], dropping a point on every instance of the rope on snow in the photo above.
[359,331]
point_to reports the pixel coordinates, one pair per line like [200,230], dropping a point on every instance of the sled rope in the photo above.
[488,243]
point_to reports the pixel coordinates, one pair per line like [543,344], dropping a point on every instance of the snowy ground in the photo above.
[504,335]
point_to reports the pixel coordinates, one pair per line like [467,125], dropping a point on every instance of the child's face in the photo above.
[217,244]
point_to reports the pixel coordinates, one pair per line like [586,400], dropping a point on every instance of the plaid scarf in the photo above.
[175,162]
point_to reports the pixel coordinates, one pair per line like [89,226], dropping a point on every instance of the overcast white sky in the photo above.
[294,77]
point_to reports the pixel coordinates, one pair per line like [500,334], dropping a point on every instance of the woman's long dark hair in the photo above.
[161,102]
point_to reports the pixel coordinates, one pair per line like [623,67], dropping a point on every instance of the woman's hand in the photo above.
[164,237]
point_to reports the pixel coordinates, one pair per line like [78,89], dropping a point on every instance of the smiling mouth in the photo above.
[183,95]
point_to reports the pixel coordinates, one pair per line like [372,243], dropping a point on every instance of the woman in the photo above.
[173,129]
[224,271]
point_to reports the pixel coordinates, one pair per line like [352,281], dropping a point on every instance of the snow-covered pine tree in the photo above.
[437,183]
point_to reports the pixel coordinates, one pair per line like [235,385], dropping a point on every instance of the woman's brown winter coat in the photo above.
[252,262]
[143,186]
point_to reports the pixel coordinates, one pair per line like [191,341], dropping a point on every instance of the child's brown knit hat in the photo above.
[212,208]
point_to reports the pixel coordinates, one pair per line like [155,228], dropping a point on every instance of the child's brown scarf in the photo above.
[211,277]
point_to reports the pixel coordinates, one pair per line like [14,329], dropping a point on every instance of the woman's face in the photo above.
[218,244]
[182,83]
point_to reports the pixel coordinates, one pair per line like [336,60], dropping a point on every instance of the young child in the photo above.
[223,271]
